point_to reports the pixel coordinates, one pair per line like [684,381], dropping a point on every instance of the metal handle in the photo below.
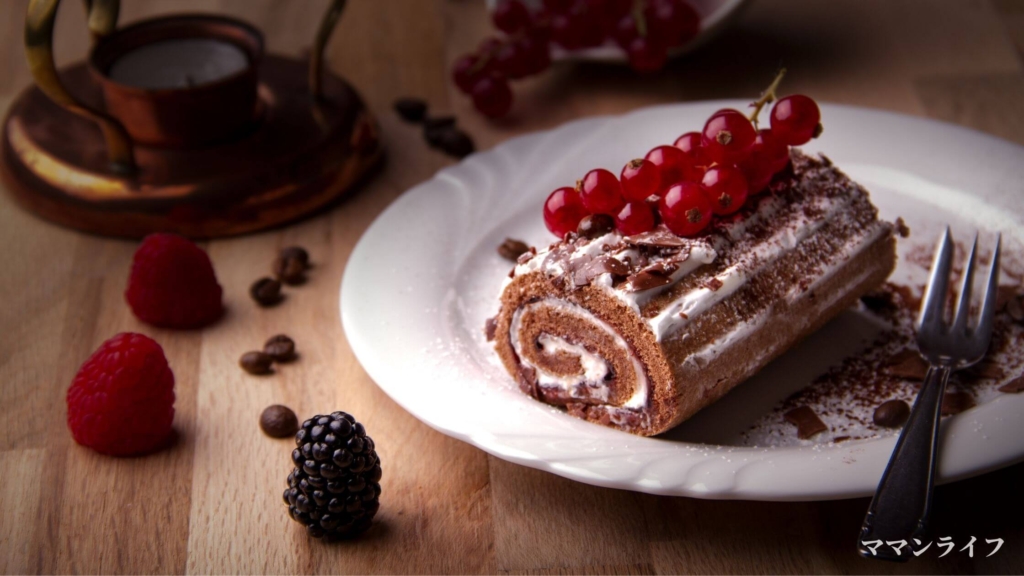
[900,509]
[323,34]
[102,19]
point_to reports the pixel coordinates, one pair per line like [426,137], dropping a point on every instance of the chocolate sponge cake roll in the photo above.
[640,332]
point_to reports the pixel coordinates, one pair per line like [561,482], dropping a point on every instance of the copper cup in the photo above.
[187,116]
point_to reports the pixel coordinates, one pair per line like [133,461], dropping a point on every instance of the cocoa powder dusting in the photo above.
[889,373]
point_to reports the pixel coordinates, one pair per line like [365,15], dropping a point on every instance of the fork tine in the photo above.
[963,304]
[988,307]
[933,302]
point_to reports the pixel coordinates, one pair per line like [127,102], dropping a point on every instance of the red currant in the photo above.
[536,54]
[728,136]
[726,189]
[556,5]
[625,31]
[691,145]
[672,22]
[673,165]
[795,119]
[640,179]
[757,175]
[510,16]
[468,70]
[685,209]
[768,150]
[635,218]
[512,60]
[563,211]
[646,55]
[616,9]
[492,96]
[566,31]
[591,23]
[601,192]
[489,46]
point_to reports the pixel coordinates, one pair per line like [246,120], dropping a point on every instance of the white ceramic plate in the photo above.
[425,276]
[715,15]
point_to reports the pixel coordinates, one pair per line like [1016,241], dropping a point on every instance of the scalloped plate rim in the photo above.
[576,469]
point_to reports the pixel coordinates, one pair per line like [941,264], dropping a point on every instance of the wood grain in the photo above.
[212,502]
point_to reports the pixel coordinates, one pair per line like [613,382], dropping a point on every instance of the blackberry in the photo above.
[334,490]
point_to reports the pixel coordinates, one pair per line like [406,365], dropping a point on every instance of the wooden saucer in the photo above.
[297,157]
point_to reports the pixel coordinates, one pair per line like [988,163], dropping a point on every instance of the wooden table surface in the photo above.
[212,503]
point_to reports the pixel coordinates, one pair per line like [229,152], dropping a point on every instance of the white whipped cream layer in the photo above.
[683,309]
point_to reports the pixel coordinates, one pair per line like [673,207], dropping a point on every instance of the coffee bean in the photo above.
[455,142]
[411,109]
[892,414]
[512,249]
[433,136]
[435,131]
[297,253]
[439,122]
[255,362]
[281,348]
[278,421]
[266,291]
[595,225]
[289,270]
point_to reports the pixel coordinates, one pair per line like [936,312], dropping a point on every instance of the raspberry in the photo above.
[334,489]
[121,401]
[172,284]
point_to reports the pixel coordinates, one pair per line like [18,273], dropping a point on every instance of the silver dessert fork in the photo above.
[899,510]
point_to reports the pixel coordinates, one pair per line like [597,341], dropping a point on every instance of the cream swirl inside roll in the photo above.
[592,366]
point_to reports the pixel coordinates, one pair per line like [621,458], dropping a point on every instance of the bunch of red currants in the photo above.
[702,174]
[645,29]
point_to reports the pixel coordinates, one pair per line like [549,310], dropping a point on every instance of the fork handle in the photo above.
[900,508]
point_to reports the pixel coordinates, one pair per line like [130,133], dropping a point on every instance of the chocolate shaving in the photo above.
[658,237]
[1013,386]
[528,380]
[956,402]
[663,267]
[714,284]
[615,266]
[901,228]
[806,421]
[489,327]
[986,369]
[907,364]
[598,266]
[645,280]
[579,270]
[526,256]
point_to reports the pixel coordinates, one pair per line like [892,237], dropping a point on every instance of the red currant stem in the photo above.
[639,19]
[481,62]
[767,97]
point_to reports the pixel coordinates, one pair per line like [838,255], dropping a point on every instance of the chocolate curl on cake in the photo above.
[640,332]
